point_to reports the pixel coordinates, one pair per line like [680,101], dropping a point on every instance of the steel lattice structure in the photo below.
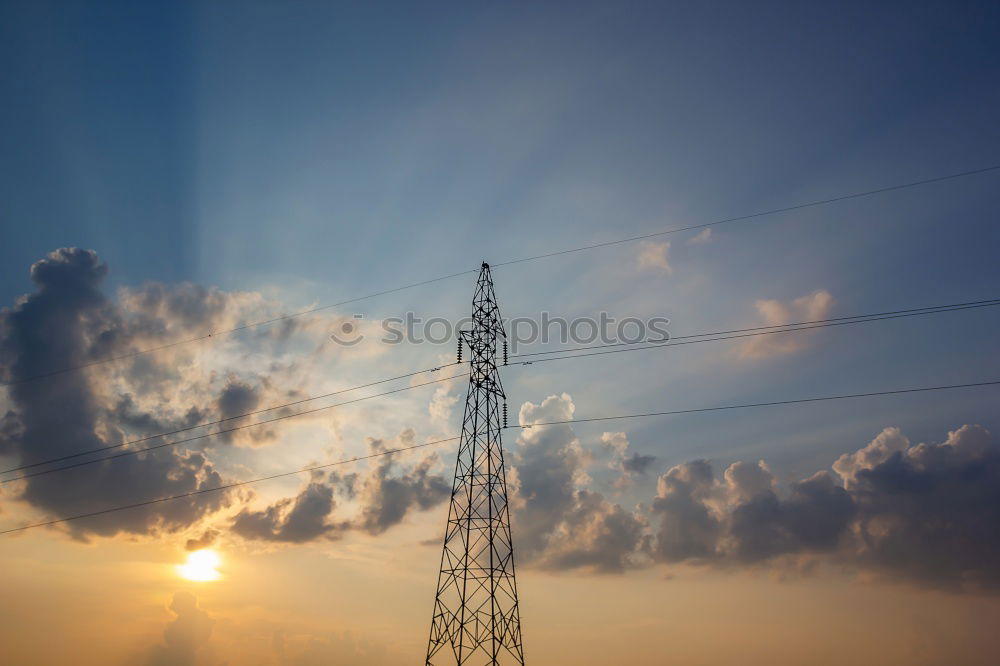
[476,618]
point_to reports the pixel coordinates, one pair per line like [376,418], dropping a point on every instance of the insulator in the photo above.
[504,413]
[460,350]
[505,352]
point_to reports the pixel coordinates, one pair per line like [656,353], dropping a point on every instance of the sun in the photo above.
[201,566]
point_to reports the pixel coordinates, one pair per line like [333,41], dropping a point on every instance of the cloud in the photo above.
[185,636]
[441,404]
[927,513]
[888,443]
[629,464]
[655,256]
[384,497]
[741,519]
[387,498]
[931,512]
[637,463]
[67,322]
[748,480]
[239,396]
[814,306]
[558,524]
[207,538]
[595,534]
[297,520]
[689,526]
[703,237]
[813,518]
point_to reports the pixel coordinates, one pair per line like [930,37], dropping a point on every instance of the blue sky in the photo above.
[319,151]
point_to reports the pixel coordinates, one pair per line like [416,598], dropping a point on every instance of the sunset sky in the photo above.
[173,169]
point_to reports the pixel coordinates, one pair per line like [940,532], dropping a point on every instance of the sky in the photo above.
[174,169]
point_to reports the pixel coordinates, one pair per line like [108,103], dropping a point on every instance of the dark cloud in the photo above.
[931,512]
[558,524]
[240,397]
[384,495]
[743,519]
[637,463]
[628,464]
[68,322]
[546,465]
[207,538]
[185,636]
[186,304]
[292,521]
[928,513]
[813,518]
[127,414]
[10,432]
[237,398]
[596,534]
[689,528]
[387,497]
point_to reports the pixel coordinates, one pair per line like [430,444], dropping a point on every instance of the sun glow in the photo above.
[201,566]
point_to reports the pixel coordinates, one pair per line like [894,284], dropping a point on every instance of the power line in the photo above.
[690,339]
[931,309]
[227,486]
[660,345]
[125,454]
[730,220]
[751,216]
[217,422]
[762,404]
[451,439]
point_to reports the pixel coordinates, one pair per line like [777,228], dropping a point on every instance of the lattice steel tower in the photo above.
[476,619]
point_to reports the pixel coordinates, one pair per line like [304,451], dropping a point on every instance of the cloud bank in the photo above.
[925,513]
[45,413]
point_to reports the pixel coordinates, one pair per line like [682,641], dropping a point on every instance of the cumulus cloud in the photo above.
[816,305]
[68,322]
[558,523]
[689,524]
[387,496]
[932,511]
[595,534]
[741,518]
[383,496]
[297,520]
[185,636]
[928,513]
[628,464]
[655,256]
[888,443]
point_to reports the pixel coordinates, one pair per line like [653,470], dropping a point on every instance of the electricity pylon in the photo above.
[476,619]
